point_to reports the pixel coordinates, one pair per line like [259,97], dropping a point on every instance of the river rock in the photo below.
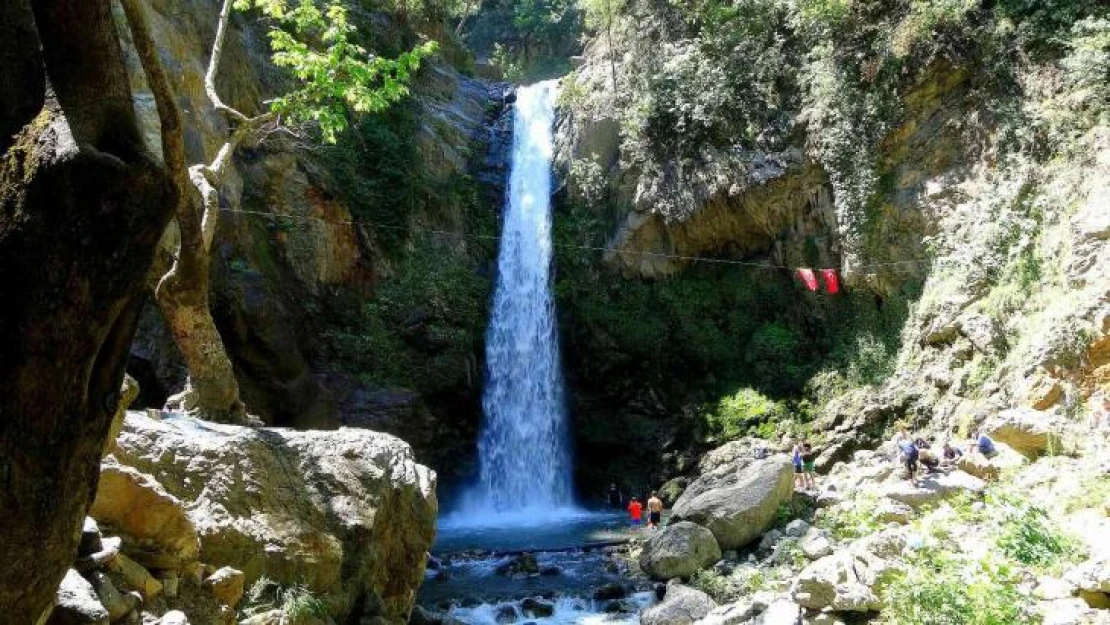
[679,550]
[537,608]
[681,605]
[76,603]
[610,591]
[348,513]
[157,531]
[506,614]
[524,565]
[740,513]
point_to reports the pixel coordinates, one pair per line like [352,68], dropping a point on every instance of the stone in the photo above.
[524,564]
[679,550]
[983,332]
[106,557]
[891,511]
[117,603]
[176,617]
[537,608]
[550,571]
[681,605]
[157,531]
[137,577]
[740,513]
[1049,588]
[348,513]
[506,614]
[1006,459]
[847,580]
[610,591]
[734,613]
[815,545]
[1064,612]
[1092,575]
[1028,431]
[769,540]
[76,603]
[781,612]
[796,528]
[934,488]
[90,538]
[423,616]
[226,585]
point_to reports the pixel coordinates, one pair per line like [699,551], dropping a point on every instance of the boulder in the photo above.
[176,617]
[681,605]
[796,528]
[157,531]
[848,580]
[534,607]
[1028,431]
[934,488]
[1005,459]
[524,565]
[118,604]
[1093,575]
[137,577]
[76,603]
[816,544]
[106,557]
[679,550]
[740,513]
[781,612]
[226,585]
[891,511]
[90,538]
[610,591]
[740,612]
[348,512]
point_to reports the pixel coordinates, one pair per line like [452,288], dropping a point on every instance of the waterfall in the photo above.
[524,460]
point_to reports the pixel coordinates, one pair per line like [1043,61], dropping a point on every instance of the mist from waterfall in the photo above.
[523,448]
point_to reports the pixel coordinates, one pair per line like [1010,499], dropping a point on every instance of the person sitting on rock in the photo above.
[926,456]
[983,444]
[951,453]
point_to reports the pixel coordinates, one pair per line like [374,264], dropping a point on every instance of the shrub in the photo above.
[743,412]
[1026,534]
[717,586]
[936,589]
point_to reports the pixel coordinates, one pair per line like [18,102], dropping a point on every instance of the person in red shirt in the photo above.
[636,511]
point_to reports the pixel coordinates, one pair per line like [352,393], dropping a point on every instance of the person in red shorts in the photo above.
[636,511]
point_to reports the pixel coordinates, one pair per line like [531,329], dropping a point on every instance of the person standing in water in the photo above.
[655,510]
[635,511]
[614,496]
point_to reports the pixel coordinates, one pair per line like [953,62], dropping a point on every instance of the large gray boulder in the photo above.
[1028,431]
[76,603]
[739,513]
[679,550]
[348,512]
[681,605]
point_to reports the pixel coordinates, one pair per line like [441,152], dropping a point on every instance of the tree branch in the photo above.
[214,65]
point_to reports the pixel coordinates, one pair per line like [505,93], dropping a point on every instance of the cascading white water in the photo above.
[523,448]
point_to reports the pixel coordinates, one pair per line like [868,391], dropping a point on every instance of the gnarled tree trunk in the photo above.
[82,205]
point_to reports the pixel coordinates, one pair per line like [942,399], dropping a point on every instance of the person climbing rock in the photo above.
[655,510]
[909,458]
[635,511]
[799,470]
[614,496]
[809,465]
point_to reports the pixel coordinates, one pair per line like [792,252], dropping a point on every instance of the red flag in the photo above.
[832,283]
[808,278]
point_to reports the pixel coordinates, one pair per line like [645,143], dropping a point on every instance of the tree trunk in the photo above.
[211,392]
[82,205]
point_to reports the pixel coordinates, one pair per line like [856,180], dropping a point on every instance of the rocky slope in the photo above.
[969,224]
[291,285]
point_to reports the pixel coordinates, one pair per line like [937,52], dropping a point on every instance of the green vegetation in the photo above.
[527,40]
[1027,535]
[941,589]
[298,604]
[423,326]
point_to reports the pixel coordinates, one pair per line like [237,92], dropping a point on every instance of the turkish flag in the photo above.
[832,282]
[808,278]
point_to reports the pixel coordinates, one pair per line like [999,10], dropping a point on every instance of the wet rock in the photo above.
[679,550]
[76,603]
[537,608]
[423,616]
[740,513]
[620,606]
[681,605]
[523,565]
[506,614]
[550,571]
[610,591]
